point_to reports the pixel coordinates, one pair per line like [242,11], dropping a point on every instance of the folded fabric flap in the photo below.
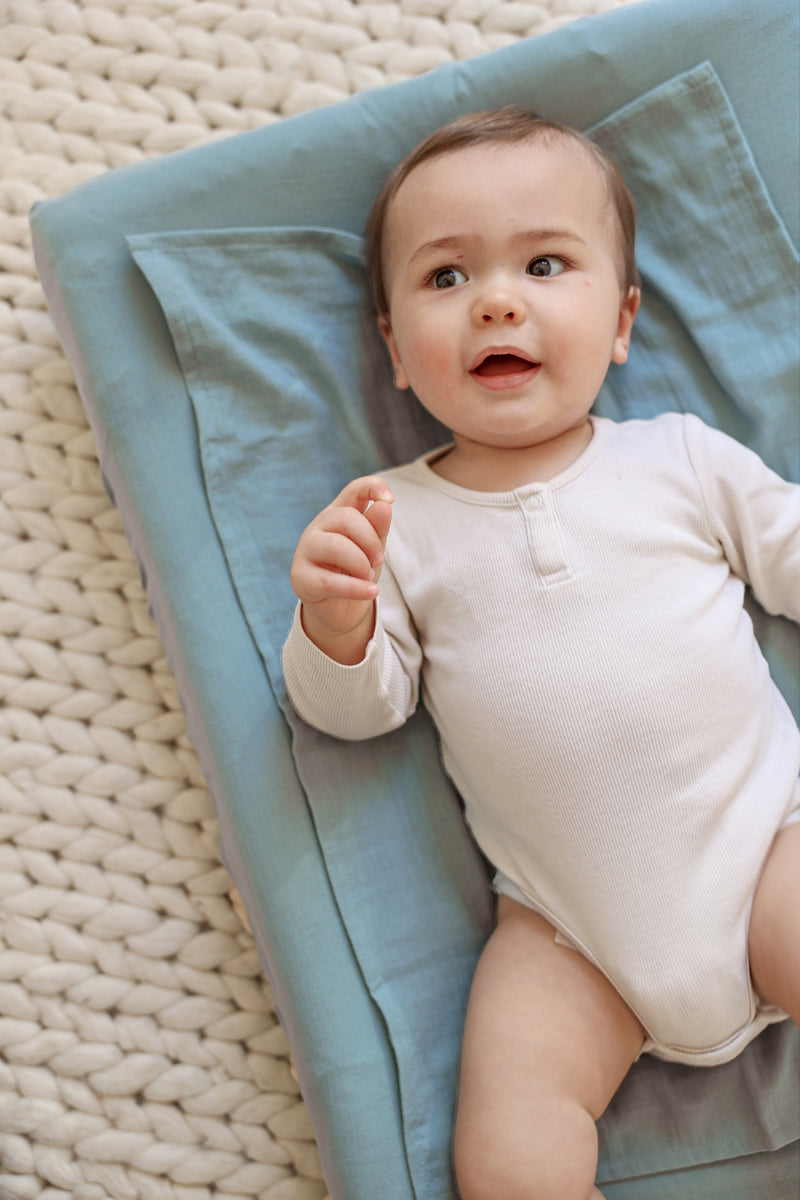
[717,330]
[291,391]
[292,398]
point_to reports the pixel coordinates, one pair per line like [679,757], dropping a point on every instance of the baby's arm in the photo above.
[755,515]
[336,567]
[351,666]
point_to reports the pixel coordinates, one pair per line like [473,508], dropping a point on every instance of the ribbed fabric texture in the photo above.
[604,708]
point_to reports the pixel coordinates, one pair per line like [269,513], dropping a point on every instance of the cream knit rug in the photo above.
[140,1056]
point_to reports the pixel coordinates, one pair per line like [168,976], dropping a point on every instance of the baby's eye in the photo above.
[545,267]
[447,277]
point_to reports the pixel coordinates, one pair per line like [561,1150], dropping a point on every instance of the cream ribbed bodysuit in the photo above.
[604,709]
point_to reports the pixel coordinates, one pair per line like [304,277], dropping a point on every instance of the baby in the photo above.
[566,591]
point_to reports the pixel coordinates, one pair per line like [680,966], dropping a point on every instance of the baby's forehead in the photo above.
[426,176]
[487,154]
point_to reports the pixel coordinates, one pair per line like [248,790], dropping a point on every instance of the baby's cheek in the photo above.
[430,357]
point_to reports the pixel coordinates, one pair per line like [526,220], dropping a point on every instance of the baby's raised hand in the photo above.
[336,567]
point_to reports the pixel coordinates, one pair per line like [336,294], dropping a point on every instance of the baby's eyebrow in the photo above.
[549,235]
[457,241]
[446,243]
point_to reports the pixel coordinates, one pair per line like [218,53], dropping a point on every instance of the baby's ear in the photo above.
[400,377]
[627,315]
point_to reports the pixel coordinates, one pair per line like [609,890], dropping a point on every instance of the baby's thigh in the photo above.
[774,941]
[547,1042]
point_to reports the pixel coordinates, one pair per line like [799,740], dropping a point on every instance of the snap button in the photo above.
[533,502]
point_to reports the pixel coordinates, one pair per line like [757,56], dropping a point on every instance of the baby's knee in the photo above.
[549,1156]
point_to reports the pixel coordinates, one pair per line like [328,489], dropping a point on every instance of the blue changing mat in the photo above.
[250,384]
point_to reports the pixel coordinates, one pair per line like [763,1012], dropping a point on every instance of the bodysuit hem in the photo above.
[711,1056]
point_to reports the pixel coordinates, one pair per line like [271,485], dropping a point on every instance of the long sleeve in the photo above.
[753,513]
[368,699]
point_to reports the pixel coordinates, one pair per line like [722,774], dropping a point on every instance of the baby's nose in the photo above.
[499,304]
[509,316]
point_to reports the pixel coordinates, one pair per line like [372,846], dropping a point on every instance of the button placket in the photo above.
[545,538]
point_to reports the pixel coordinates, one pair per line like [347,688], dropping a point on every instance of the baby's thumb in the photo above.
[379,515]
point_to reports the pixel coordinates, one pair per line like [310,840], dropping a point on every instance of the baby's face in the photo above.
[505,304]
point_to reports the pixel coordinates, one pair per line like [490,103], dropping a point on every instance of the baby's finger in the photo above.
[379,515]
[350,524]
[332,585]
[360,493]
[314,582]
[340,552]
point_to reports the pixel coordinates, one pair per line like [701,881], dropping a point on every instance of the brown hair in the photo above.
[511,124]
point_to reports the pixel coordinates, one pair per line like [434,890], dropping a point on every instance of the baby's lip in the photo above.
[498,361]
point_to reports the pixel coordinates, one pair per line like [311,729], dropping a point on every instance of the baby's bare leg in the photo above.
[775,925]
[546,1045]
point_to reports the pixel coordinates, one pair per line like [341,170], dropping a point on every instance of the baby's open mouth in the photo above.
[496,365]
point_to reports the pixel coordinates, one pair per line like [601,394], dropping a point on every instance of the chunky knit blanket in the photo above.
[140,1055]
